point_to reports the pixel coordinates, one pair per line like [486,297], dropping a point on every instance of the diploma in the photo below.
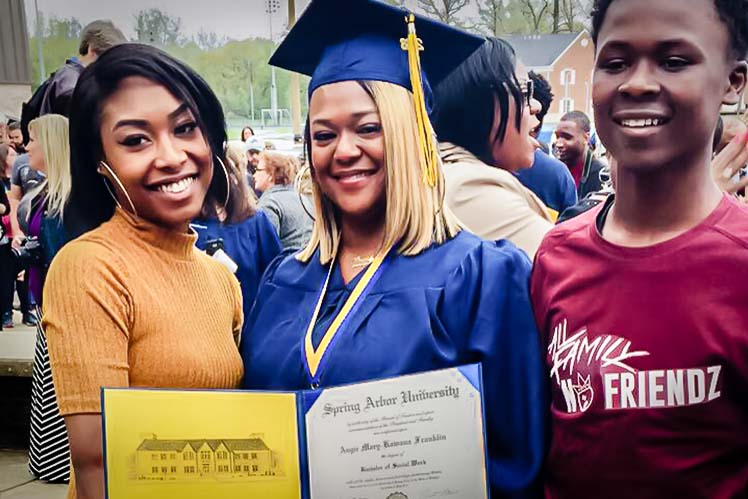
[416,436]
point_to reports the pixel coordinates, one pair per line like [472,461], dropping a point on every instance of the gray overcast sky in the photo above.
[236,19]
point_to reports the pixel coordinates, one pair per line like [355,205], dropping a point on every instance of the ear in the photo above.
[738,78]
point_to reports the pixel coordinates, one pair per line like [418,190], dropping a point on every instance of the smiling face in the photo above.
[348,149]
[662,71]
[517,150]
[570,142]
[153,143]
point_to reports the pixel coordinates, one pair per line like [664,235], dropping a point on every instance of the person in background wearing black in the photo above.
[548,178]
[95,39]
[572,144]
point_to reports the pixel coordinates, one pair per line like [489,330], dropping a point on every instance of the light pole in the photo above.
[271,7]
[39,33]
[251,92]
[294,91]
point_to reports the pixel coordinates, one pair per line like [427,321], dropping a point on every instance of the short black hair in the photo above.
[14,125]
[90,203]
[734,13]
[542,92]
[579,118]
[465,101]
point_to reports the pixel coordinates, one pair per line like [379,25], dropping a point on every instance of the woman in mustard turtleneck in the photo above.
[132,302]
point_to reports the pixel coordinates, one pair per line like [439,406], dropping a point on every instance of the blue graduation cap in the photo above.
[344,40]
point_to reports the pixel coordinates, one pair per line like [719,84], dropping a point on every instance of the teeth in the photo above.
[354,177]
[176,187]
[641,123]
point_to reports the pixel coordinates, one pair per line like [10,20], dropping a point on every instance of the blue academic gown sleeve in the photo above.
[551,181]
[270,245]
[488,299]
[252,244]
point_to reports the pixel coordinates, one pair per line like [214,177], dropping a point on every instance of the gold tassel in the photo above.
[429,152]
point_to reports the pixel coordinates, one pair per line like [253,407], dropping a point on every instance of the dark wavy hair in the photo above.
[734,13]
[90,203]
[543,93]
[465,101]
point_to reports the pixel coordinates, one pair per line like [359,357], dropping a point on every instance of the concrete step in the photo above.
[16,483]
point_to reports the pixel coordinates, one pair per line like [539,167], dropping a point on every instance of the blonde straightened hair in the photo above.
[51,131]
[416,216]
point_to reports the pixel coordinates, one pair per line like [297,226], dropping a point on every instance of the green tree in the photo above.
[158,28]
[444,10]
[209,40]
[231,68]
[60,41]
[492,14]
[536,13]
[63,28]
[570,12]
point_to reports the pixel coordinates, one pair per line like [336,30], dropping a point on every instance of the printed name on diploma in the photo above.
[393,444]
[405,397]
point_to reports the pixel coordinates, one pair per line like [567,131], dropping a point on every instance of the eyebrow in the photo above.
[143,123]
[356,115]
[660,44]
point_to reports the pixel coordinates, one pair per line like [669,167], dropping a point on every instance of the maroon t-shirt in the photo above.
[647,354]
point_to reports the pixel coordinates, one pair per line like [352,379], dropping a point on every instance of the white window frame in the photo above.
[571,79]
[567,105]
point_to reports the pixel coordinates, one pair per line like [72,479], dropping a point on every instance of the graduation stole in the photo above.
[312,357]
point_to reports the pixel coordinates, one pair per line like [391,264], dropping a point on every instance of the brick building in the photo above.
[566,60]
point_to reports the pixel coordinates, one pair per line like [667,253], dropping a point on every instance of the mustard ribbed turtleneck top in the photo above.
[133,304]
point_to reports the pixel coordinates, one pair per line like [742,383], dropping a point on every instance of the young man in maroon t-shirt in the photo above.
[642,303]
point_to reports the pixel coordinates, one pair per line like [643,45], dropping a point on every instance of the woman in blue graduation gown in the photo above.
[248,238]
[389,284]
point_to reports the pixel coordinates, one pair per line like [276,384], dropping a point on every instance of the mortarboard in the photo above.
[344,40]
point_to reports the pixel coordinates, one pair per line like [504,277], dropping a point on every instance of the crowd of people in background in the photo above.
[598,278]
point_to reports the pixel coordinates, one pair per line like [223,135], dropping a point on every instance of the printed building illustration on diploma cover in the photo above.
[158,459]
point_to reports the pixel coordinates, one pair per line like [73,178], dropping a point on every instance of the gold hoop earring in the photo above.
[228,182]
[119,184]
